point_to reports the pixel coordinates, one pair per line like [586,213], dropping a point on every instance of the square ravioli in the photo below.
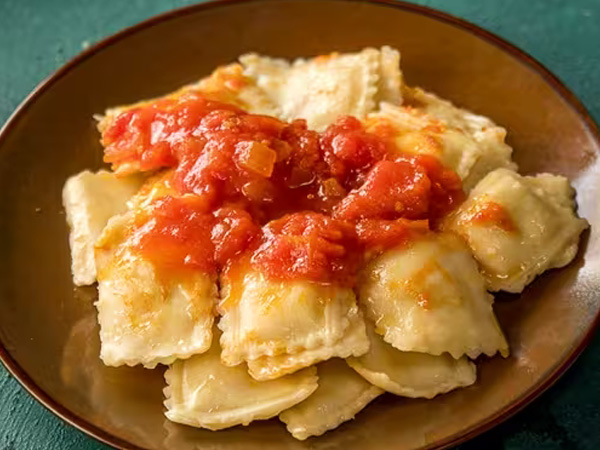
[411,374]
[341,394]
[518,227]
[428,297]
[227,85]
[324,88]
[90,199]
[202,392]
[469,144]
[145,319]
[278,327]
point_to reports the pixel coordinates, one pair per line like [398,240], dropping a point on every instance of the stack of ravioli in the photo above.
[312,354]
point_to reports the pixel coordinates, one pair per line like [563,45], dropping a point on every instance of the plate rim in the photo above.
[95,432]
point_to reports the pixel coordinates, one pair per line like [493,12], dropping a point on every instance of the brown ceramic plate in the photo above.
[48,329]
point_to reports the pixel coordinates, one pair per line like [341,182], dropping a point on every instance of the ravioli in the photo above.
[271,366]
[226,84]
[429,297]
[341,394]
[156,187]
[229,84]
[469,144]
[278,327]
[518,227]
[324,88]
[90,199]
[202,392]
[145,319]
[411,374]
[493,152]
[391,80]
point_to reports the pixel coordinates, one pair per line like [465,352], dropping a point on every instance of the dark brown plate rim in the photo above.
[500,416]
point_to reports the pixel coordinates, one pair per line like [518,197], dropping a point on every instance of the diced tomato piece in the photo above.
[255,157]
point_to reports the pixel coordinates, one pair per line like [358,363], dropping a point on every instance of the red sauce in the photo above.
[494,214]
[414,188]
[307,245]
[150,135]
[174,234]
[381,234]
[299,204]
[234,231]
[392,189]
[350,151]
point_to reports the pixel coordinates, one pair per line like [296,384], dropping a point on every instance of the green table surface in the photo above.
[38,36]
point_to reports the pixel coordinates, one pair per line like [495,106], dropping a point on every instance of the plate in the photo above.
[48,330]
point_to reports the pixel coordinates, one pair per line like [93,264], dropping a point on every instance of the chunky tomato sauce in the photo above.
[308,245]
[173,234]
[297,203]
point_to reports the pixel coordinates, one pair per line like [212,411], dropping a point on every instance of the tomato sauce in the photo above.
[308,245]
[297,203]
[172,234]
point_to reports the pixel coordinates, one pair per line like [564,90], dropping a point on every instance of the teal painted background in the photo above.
[38,36]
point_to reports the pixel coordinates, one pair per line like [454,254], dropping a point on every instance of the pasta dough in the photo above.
[518,227]
[143,318]
[429,297]
[280,327]
[267,367]
[90,199]
[411,374]
[202,392]
[469,144]
[340,396]
[390,77]
[324,88]
[229,84]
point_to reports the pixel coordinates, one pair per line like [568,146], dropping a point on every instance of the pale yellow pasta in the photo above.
[532,227]
[228,83]
[143,319]
[278,327]
[271,366]
[202,392]
[341,394]
[493,151]
[429,297]
[90,199]
[324,88]
[469,144]
[390,84]
[411,374]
